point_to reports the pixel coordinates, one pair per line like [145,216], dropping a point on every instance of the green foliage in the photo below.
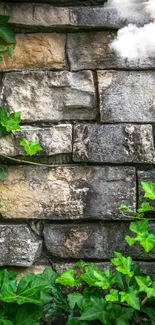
[31,148]
[9,122]
[7,37]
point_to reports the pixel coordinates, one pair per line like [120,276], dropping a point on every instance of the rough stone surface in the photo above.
[64,2]
[46,16]
[92,241]
[145,176]
[50,96]
[92,51]
[35,51]
[67,193]
[127,96]
[53,140]
[19,245]
[120,143]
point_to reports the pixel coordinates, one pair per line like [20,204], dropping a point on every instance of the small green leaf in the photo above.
[144,282]
[81,264]
[124,209]
[123,264]
[94,277]
[74,298]
[10,121]
[69,278]
[145,207]
[31,147]
[131,297]
[149,190]
[150,312]
[139,227]
[112,296]
[130,240]
[2,174]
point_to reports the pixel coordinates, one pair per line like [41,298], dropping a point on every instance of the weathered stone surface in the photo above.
[113,143]
[145,176]
[50,96]
[127,96]
[92,51]
[98,241]
[64,2]
[46,16]
[53,140]
[35,51]
[19,245]
[67,193]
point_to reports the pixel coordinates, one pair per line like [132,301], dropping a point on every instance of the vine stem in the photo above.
[144,301]
[37,164]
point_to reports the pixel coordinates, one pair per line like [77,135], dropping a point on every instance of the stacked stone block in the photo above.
[84,104]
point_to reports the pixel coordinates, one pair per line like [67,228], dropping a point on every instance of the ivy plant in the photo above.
[7,37]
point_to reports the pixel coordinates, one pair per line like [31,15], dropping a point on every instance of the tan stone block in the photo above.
[35,51]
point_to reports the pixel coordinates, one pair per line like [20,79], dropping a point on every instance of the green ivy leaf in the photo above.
[94,277]
[30,286]
[124,209]
[120,315]
[74,298]
[81,264]
[131,297]
[150,312]
[28,314]
[2,174]
[139,227]
[31,147]
[145,207]
[123,264]
[6,322]
[96,312]
[144,283]
[149,190]
[10,121]
[112,296]
[69,278]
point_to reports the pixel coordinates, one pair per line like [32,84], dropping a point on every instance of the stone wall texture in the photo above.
[93,114]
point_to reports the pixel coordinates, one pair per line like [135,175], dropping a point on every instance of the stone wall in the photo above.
[84,105]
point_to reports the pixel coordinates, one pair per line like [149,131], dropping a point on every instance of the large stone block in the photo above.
[113,143]
[67,193]
[50,96]
[91,241]
[35,51]
[92,51]
[19,246]
[127,96]
[53,140]
[44,16]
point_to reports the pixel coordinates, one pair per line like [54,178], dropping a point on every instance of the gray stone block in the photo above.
[91,241]
[127,96]
[50,96]
[122,143]
[54,140]
[42,16]
[67,193]
[92,51]
[19,246]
